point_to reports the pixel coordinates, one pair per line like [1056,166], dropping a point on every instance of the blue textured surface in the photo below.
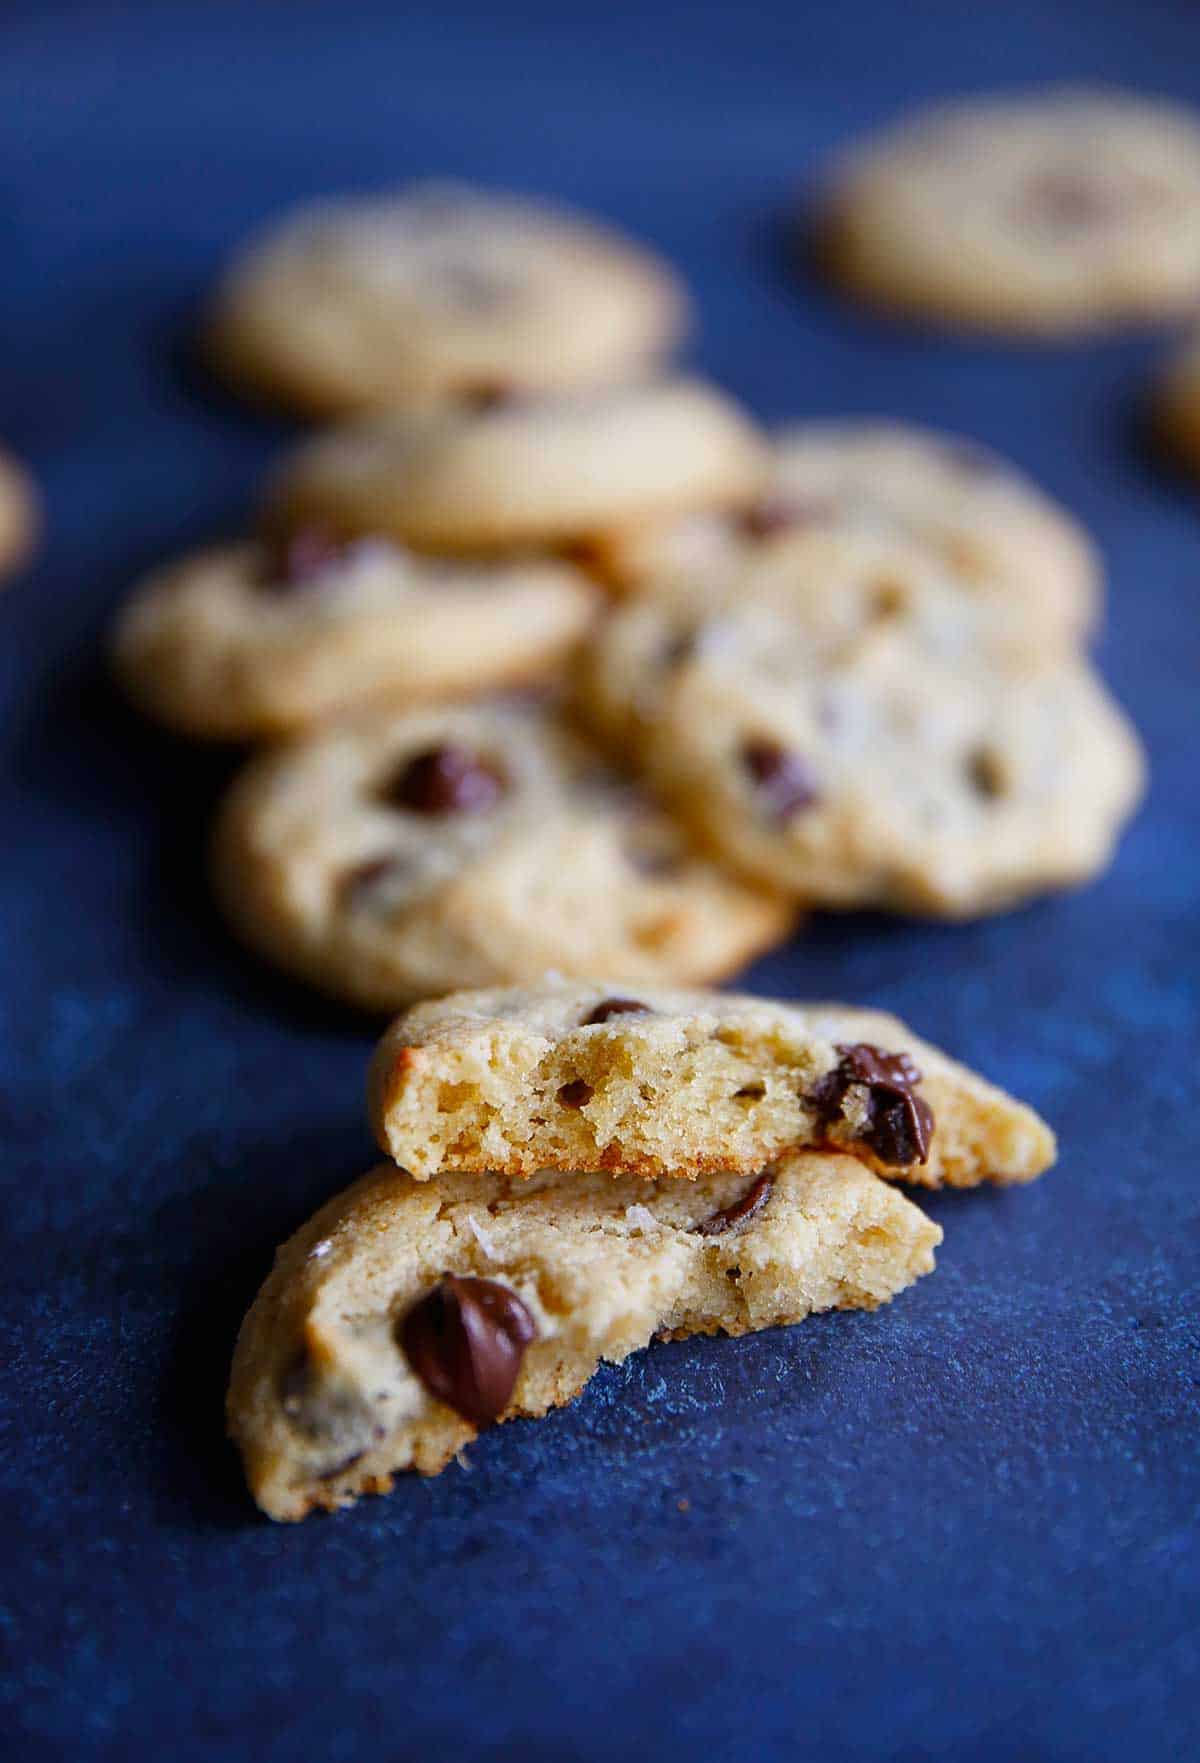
[960,1529]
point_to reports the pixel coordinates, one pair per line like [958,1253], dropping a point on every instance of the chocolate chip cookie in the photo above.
[437,292]
[534,472]
[401,856]
[993,530]
[1051,211]
[255,640]
[408,1315]
[867,736]
[658,1082]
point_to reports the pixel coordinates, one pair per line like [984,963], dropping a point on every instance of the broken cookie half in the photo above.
[405,1316]
[657,1082]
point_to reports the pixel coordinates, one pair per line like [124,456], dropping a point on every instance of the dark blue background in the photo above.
[959,1529]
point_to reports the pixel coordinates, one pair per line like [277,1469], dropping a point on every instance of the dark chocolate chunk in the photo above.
[782,778]
[614,1007]
[445,780]
[465,1340]
[576,1094]
[985,772]
[1069,202]
[752,1201]
[776,514]
[900,1123]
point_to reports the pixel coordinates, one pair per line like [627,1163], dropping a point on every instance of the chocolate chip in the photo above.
[1069,202]
[679,647]
[465,1340]
[576,1094]
[298,558]
[752,1201]
[986,772]
[615,1007]
[899,1125]
[490,395]
[776,514]
[782,778]
[445,780]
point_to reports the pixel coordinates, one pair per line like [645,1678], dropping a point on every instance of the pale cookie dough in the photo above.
[400,856]
[247,641]
[548,472]
[18,515]
[991,527]
[334,1378]
[1051,211]
[869,738]
[1179,405]
[658,1083]
[439,292]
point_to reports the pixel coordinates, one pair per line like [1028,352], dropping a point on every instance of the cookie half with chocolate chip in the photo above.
[657,1082]
[841,720]
[250,641]
[439,292]
[1045,212]
[402,856]
[407,1316]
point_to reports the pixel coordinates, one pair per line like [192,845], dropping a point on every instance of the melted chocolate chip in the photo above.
[445,780]
[490,395]
[576,1094]
[782,778]
[899,1126]
[776,514]
[1069,202]
[299,558]
[752,1201]
[985,773]
[465,1340]
[614,1007]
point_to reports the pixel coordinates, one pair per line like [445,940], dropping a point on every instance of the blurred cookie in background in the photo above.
[992,528]
[541,472]
[439,292]
[403,856]
[1051,212]
[844,723]
[19,515]
[253,640]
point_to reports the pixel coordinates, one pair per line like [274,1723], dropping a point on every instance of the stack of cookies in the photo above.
[576,1170]
[574,667]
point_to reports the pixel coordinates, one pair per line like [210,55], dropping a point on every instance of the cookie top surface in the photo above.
[440,291]
[251,640]
[861,733]
[401,856]
[406,1315]
[669,1082]
[527,472]
[983,519]
[18,514]
[1049,211]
